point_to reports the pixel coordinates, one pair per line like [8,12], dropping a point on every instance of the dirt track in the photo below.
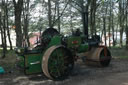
[116,73]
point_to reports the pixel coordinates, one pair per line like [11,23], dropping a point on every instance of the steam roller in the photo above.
[55,54]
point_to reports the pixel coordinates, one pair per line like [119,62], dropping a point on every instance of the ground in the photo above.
[116,73]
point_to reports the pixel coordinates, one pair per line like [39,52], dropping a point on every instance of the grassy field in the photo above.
[119,53]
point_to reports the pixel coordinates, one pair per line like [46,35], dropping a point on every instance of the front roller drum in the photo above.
[98,56]
[57,62]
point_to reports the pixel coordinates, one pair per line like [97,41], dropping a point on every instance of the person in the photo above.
[77,32]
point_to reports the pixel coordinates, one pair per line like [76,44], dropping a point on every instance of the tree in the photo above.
[18,7]
[58,14]
[121,19]
[3,27]
[2,36]
[93,8]
[8,29]
[105,11]
[83,9]
[26,22]
[126,28]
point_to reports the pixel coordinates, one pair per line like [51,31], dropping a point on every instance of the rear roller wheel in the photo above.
[105,57]
[57,62]
[99,56]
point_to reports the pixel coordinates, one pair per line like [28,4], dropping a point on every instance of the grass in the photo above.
[9,61]
[119,53]
[123,57]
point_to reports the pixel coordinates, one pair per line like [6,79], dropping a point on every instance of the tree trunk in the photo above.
[109,27]
[58,14]
[127,37]
[113,31]
[2,36]
[18,10]
[122,19]
[126,29]
[4,30]
[110,24]
[8,29]
[116,34]
[84,14]
[104,23]
[92,17]
[26,24]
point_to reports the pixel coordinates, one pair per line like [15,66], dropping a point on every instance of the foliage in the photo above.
[71,18]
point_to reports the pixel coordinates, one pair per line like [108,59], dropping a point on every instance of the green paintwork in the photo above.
[33,60]
[83,48]
[33,63]
[77,45]
[56,40]
[76,40]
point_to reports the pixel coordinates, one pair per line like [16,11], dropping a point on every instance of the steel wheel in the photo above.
[57,62]
[105,57]
[98,56]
